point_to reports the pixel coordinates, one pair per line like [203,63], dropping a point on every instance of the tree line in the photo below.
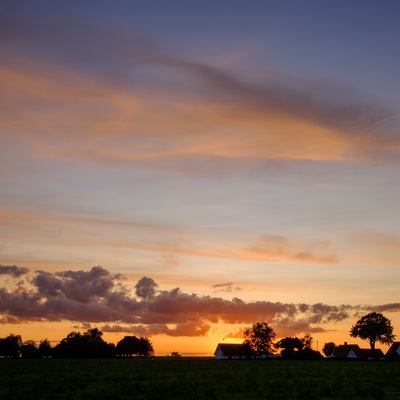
[259,338]
[89,344]
[373,328]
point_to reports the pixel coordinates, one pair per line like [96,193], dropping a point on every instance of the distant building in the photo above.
[231,351]
[353,351]
[345,351]
[394,352]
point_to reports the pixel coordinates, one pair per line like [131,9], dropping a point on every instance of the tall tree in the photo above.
[29,349]
[45,348]
[10,346]
[373,327]
[289,346]
[89,344]
[260,337]
[133,346]
[329,348]
[307,341]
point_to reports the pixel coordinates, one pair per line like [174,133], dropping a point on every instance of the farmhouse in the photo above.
[394,352]
[228,351]
[353,351]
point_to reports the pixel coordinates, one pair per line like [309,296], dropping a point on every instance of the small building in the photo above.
[370,354]
[232,351]
[394,352]
[345,351]
[353,351]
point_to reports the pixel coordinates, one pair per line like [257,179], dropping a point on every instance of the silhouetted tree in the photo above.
[131,346]
[70,347]
[94,335]
[307,341]
[329,348]
[308,353]
[294,347]
[260,337]
[29,350]
[10,346]
[145,348]
[127,347]
[373,327]
[289,346]
[175,354]
[45,349]
[84,345]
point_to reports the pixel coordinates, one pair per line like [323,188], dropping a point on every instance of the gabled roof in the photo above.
[369,353]
[347,347]
[354,351]
[343,350]
[233,349]
[393,348]
[394,351]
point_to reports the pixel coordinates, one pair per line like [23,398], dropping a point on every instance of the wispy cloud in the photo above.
[277,247]
[382,248]
[157,237]
[226,287]
[73,105]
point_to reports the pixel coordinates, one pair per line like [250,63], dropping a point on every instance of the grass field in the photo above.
[186,378]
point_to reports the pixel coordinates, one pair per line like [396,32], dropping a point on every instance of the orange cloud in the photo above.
[76,115]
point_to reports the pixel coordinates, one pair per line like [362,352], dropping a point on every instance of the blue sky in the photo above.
[233,149]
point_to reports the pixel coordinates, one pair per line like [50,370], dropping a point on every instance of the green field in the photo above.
[185,378]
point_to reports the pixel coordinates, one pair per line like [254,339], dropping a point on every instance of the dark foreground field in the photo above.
[185,378]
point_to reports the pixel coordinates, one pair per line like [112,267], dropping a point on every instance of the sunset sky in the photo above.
[181,169]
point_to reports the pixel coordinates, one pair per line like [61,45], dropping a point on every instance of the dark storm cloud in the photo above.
[97,296]
[13,270]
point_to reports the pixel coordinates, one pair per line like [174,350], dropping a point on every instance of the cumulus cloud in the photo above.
[81,286]
[146,288]
[97,296]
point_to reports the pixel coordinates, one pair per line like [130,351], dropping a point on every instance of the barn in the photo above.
[232,351]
